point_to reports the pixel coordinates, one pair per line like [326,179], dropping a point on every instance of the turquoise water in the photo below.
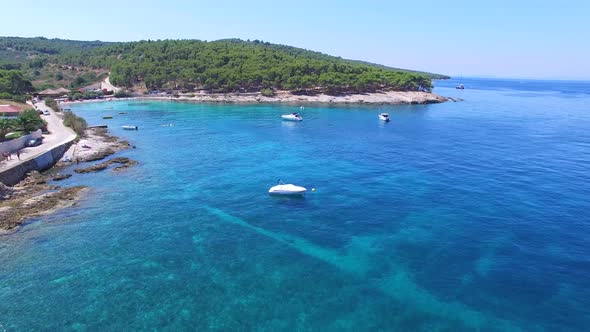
[456,216]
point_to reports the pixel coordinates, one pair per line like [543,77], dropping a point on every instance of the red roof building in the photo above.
[9,110]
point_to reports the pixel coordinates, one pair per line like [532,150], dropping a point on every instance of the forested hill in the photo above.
[230,65]
[19,49]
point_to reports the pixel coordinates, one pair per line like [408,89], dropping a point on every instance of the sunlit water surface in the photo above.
[454,216]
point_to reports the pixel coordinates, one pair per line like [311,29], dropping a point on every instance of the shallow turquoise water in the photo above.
[454,217]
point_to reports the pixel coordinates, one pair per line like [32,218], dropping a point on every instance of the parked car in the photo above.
[34,142]
[46,112]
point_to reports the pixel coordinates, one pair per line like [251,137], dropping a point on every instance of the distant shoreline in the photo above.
[284,97]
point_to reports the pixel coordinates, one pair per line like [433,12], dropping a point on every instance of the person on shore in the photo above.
[18,154]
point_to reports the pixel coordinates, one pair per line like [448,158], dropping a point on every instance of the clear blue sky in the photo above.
[519,39]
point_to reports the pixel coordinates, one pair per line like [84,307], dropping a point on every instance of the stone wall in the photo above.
[18,143]
[40,163]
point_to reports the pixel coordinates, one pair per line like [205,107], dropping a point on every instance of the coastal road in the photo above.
[58,134]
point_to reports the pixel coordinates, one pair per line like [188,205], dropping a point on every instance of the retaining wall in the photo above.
[40,163]
[18,143]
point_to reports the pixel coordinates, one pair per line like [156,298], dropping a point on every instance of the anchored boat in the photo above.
[384,117]
[292,117]
[130,127]
[286,189]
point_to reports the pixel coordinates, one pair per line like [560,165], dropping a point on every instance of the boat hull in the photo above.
[290,117]
[287,189]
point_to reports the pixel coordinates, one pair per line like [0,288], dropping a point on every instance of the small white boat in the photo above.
[460,87]
[384,117]
[130,127]
[292,117]
[287,189]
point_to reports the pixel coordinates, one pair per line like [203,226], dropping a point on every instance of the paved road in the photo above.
[58,134]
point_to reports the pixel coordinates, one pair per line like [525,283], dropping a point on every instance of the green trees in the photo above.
[78,81]
[13,83]
[230,65]
[29,120]
[235,65]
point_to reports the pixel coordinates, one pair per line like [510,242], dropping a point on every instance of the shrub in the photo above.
[75,96]
[92,94]
[122,94]
[19,99]
[267,92]
[75,122]
[78,81]
[6,126]
[51,103]
[13,135]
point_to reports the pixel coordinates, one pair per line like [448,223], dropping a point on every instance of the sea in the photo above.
[462,216]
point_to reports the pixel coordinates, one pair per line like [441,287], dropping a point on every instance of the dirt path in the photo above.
[106,84]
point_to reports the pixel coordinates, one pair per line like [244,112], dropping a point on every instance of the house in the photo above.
[94,87]
[53,92]
[9,110]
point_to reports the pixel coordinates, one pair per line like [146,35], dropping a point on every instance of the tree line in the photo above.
[13,85]
[230,65]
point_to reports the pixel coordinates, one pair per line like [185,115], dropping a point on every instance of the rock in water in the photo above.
[60,177]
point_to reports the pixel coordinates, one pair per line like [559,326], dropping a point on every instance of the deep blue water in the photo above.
[456,216]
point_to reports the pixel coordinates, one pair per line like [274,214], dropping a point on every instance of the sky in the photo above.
[510,39]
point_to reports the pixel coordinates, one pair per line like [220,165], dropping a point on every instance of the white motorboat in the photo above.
[287,189]
[130,127]
[384,117]
[292,117]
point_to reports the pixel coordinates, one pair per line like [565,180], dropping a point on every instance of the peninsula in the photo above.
[230,70]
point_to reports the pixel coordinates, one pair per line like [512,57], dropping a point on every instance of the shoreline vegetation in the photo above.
[38,194]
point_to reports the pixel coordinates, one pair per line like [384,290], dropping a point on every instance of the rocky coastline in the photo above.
[286,97]
[36,195]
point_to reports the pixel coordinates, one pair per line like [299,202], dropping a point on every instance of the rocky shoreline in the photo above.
[35,195]
[376,98]
[286,97]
